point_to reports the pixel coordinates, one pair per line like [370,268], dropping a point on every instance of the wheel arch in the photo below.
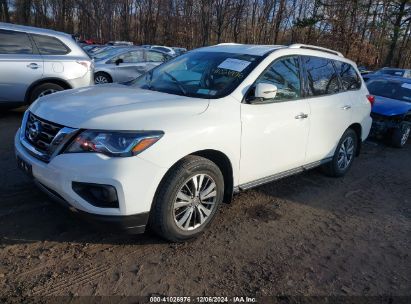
[358,130]
[54,80]
[223,163]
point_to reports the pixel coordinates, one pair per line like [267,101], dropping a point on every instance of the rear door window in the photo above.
[12,42]
[156,56]
[322,79]
[48,45]
[350,80]
[133,57]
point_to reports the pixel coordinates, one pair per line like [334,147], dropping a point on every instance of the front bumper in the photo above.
[132,224]
[135,180]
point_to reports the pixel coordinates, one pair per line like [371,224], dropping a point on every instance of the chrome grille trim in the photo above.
[45,148]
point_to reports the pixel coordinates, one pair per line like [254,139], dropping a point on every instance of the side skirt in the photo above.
[280,175]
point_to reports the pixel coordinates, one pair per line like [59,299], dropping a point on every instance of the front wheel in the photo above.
[343,156]
[187,199]
[400,136]
[102,78]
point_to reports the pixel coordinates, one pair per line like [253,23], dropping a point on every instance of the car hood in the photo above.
[390,107]
[116,107]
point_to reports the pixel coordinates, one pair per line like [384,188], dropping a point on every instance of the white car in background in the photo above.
[167,150]
[166,49]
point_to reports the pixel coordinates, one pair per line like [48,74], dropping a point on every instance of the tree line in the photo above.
[374,33]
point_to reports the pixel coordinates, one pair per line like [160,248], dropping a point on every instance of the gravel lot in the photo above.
[304,235]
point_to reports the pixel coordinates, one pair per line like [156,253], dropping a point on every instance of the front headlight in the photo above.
[114,143]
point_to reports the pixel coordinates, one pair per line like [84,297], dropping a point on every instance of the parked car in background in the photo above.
[35,62]
[391,111]
[168,149]
[123,43]
[388,72]
[125,64]
[91,49]
[165,49]
[364,70]
[179,51]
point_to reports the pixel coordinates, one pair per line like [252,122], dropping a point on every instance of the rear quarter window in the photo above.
[322,79]
[350,80]
[48,45]
[12,42]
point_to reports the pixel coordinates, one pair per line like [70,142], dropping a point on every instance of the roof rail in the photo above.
[229,43]
[315,48]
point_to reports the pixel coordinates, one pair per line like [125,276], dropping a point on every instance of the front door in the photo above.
[275,131]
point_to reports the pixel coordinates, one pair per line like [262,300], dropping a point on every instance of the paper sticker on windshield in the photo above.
[406,85]
[206,92]
[234,64]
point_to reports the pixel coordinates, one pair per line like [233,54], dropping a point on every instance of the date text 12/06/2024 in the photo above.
[202,299]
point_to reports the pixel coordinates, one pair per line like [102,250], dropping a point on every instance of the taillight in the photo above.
[85,64]
[371,99]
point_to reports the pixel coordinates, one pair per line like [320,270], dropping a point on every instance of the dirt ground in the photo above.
[304,235]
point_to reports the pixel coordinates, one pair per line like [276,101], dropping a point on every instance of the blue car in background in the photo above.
[387,72]
[391,111]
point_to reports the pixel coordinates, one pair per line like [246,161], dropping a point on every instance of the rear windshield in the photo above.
[390,89]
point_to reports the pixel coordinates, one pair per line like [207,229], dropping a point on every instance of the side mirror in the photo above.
[118,61]
[265,91]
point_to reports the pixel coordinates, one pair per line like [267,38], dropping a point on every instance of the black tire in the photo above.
[46,89]
[163,220]
[332,168]
[400,136]
[102,75]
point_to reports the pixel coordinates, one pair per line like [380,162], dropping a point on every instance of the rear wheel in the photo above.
[400,136]
[43,90]
[343,156]
[187,199]
[102,78]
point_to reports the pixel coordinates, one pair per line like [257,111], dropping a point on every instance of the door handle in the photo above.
[301,116]
[33,66]
[346,107]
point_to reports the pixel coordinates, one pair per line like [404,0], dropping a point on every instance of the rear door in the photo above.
[154,58]
[330,107]
[133,65]
[20,65]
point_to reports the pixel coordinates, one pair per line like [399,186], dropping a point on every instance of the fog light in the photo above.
[102,196]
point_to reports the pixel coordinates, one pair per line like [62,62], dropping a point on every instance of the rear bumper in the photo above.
[131,224]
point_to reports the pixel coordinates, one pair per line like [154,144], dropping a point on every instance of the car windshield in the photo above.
[391,72]
[390,89]
[200,74]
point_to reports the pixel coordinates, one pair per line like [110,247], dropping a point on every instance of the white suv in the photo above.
[166,150]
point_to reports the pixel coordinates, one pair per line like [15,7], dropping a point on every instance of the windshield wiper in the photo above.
[178,83]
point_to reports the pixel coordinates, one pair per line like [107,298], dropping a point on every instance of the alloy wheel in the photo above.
[346,153]
[100,80]
[195,202]
[405,135]
[47,92]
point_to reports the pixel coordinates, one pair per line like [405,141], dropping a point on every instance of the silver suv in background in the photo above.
[125,64]
[35,62]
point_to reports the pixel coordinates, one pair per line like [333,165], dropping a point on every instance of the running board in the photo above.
[280,175]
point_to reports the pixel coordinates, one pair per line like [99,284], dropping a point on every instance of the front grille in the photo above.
[40,133]
[44,139]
